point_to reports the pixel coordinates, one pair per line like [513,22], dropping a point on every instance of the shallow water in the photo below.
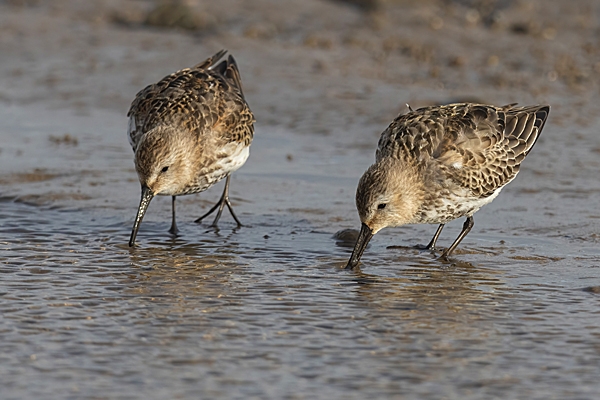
[266,311]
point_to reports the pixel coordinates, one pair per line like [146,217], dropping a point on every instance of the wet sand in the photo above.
[265,311]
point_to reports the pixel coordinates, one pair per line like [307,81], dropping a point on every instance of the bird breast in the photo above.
[449,205]
[227,161]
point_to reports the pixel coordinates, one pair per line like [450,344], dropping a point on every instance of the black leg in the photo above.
[466,228]
[431,245]
[223,201]
[173,229]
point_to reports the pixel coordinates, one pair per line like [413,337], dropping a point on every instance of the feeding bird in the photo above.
[436,164]
[189,131]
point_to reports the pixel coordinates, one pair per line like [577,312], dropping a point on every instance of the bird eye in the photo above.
[381,206]
[165,169]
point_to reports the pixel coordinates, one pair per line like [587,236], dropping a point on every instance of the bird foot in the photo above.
[444,258]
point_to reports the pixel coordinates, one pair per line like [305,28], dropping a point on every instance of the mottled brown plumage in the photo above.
[436,164]
[188,131]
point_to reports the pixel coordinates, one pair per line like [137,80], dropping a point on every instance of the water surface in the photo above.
[265,310]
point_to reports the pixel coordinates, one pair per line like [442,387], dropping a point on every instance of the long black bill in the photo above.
[147,195]
[361,244]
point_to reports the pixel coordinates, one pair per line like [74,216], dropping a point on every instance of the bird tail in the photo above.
[523,125]
[210,61]
[229,70]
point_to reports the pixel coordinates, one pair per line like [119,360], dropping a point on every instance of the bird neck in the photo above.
[405,181]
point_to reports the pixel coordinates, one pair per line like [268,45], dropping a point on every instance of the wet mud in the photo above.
[267,310]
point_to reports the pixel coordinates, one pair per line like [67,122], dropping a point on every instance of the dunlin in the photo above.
[436,164]
[189,131]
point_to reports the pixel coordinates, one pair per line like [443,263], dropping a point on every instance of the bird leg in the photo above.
[466,228]
[431,245]
[223,201]
[173,230]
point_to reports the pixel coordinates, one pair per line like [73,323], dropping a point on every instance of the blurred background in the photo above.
[314,65]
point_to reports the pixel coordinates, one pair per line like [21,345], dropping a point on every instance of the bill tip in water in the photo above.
[362,241]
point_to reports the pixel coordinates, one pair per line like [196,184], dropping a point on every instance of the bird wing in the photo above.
[236,123]
[477,147]
[200,99]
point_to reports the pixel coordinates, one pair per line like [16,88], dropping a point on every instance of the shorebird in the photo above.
[189,131]
[436,164]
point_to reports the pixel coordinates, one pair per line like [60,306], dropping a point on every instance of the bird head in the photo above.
[389,194]
[164,160]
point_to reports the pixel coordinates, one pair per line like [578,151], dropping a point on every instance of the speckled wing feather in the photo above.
[237,122]
[478,147]
[202,98]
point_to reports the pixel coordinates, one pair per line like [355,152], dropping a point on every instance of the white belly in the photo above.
[455,205]
[237,154]
[232,158]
